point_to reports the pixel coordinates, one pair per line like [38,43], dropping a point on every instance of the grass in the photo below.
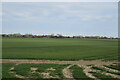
[116,67]
[24,70]
[5,70]
[78,73]
[102,76]
[59,49]
[97,68]
[6,75]
[104,70]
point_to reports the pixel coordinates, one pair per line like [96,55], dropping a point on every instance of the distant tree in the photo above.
[4,35]
[28,35]
[59,36]
[52,36]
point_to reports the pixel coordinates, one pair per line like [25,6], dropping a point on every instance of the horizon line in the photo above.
[61,34]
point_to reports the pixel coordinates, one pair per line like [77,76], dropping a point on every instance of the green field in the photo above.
[12,71]
[25,70]
[78,73]
[60,49]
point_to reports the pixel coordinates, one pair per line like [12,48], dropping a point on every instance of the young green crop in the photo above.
[78,73]
[104,70]
[6,74]
[60,49]
[102,76]
[116,67]
[25,70]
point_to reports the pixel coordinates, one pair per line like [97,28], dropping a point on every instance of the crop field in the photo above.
[60,49]
[32,71]
[57,59]
[36,71]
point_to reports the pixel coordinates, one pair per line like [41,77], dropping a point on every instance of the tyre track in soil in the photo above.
[81,62]
[67,73]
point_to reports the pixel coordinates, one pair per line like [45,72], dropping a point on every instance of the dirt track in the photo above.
[81,62]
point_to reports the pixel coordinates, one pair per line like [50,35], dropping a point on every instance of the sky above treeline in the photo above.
[73,18]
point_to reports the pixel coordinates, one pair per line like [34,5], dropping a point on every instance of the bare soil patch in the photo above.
[51,69]
[33,69]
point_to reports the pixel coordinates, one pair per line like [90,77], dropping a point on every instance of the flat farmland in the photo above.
[57,59]
[60,49]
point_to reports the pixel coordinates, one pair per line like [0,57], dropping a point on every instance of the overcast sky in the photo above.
[79,18]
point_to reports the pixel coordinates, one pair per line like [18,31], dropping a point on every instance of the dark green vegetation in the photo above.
[60,49]
[6,75]
[34,71]
[104,70]
[116,67]
[5,70]
[25,70]
[102,76]
[97,68]
[78,73]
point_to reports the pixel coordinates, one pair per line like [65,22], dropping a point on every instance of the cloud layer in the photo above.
[71,18]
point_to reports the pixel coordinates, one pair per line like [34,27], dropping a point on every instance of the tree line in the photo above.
[18,35]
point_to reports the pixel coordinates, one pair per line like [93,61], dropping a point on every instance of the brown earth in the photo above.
[81,62]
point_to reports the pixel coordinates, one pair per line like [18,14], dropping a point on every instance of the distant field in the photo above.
[60,49]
